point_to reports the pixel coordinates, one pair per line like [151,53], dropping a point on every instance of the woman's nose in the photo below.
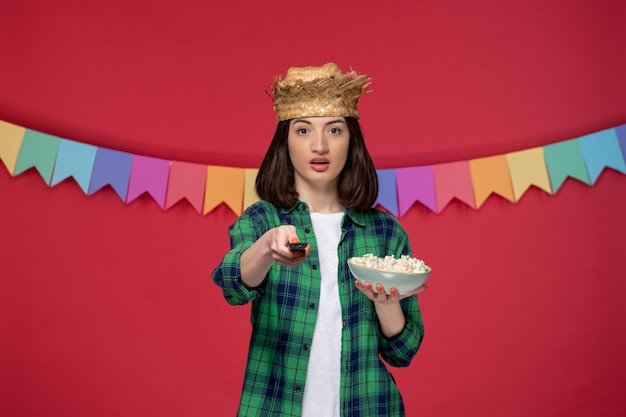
[319,144]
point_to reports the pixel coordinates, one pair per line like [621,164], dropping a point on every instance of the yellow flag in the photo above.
[528,167]
[11,137]
[250,196]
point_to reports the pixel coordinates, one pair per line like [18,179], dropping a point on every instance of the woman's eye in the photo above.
[301,131]
[335,130]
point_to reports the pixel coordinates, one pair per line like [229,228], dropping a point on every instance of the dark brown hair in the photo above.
[358,182]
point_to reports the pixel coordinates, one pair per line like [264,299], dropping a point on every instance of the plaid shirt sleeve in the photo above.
[379,233]
[243,233]
[400,350]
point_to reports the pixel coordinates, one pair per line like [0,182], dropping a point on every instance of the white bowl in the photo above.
[404,282]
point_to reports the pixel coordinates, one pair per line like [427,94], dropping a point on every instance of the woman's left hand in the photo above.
[390,315]
[381,297]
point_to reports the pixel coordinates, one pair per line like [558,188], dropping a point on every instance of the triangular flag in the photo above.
[38,150]
[601,150]
[491,175]
[187,180]
[76,160]
[249,192]
[11,137]
[565,159]
[453,180]
[224,185]
[528,168]
[621,138]
[415,184]
[149,175]
[111,168]
[387,192]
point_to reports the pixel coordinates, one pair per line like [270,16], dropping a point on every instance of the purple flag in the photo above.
[111,168]
[387,193]
[416,184]
[149,175]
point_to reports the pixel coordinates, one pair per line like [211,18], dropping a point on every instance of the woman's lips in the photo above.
[319,164]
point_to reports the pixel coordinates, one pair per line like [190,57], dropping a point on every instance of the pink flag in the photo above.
[148,175]
[453,180]
[187,180]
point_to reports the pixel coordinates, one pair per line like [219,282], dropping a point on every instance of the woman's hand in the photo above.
[382,297]
[278,239]
[390,315]
[269,248]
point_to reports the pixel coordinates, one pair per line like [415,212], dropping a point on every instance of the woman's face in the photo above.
[318,148]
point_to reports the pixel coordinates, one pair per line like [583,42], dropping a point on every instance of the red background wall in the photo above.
[107,308]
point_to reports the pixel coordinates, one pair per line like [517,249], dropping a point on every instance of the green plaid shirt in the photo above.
[284,309]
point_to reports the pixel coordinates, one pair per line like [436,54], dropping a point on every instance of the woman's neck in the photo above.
[321,201]
[319,207]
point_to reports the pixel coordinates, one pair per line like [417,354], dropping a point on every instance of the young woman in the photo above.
[317,335]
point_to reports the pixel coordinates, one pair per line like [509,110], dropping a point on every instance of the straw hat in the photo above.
[318,91]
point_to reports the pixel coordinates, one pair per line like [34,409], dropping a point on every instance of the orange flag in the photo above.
[224,185]
[491,175]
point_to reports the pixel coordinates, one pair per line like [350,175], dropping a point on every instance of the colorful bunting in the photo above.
[416,184]
[187,181]
[565,159]
[453,180]
[206,187]
[111,168]
[601,150]
[491,175]
[39,151]
[249,190]
[387,192]
[528,168]
[621,138]
[224,185]
[11,137]
[75,160]
[148,175]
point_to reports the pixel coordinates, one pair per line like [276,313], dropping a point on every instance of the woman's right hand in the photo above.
[278,239]
[269,248]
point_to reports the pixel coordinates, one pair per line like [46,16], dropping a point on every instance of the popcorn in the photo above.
[389,263]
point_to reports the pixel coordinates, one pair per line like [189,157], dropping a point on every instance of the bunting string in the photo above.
[205,187]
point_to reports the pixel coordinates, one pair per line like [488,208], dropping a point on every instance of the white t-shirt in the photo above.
[321,389]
